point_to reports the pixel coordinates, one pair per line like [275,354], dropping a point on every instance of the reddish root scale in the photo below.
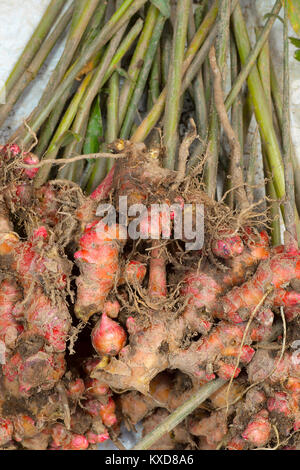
[276,272]
[266,367]
[132,326]
[60,435]
[106,411]
[38,442]
[286,404]
[31,159]
[214,427]
[47,206]
[108,337]
[87,211]
[226,371]
[224,342]
[279,403]
[265,317]
[104,188]
[49,321]
[157,287]
[30,265]
[237,443]
[95,389]
[90,364]
[155,223]
[291,313]
[23,375]
[25,427]
[98,260]
[227,247]
[10,329]
[75,389]
[258,430]
[94,438]
[111,309]
[6,431]
[204,289]
[13,150]
[44,317]
[77,442]
[134,273]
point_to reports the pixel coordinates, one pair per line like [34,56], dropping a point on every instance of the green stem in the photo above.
[199,97]
[136,62]
[172,109]
[34,43]
[179,414]
[98,172]
[277,97]
[64,125]
[99,77]
[274,205]
[237,123]
[121,16]
[92,141]
[143,76]
[211,168]
[31,72]
[112,114]
[286,135]
[93,28]
[166,46]
[261,109]
[249,59]
[205,29]
[251,169]
[124,47]
[112,109]
[108,64]
[198,87]
[263,64]
[50,125]
[154,81]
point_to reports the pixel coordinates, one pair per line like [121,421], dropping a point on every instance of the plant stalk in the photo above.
[121,16]
[179,414]
[172,109]
[143,76]
[136,62]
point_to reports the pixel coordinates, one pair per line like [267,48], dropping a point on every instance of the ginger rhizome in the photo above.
[97,328]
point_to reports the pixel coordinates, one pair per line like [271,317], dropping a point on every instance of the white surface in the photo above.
[254,11]
[18,20]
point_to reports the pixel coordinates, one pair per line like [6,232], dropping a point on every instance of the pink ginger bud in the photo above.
[31,159]
[258,430]
[108,337]
[107,413]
